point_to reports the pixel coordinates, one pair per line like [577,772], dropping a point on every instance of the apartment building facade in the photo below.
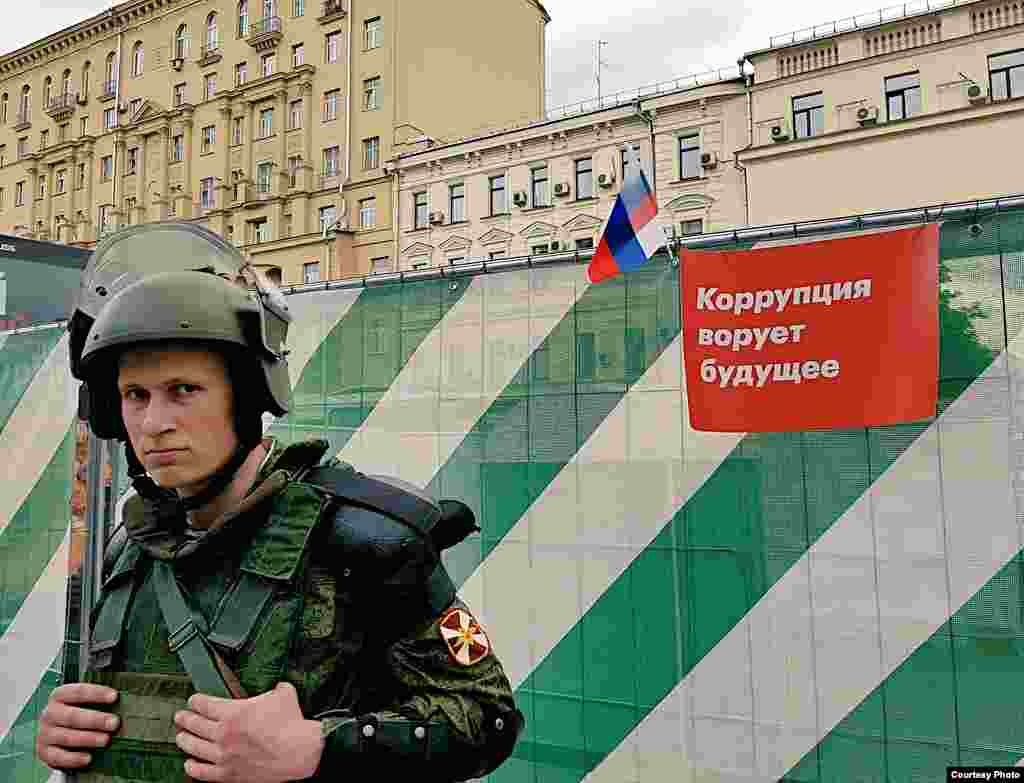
[267,120]
[885,113]
[917,110]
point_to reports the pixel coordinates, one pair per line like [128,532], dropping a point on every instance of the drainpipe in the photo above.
[348,133]
[117,116]
[645,115]
[748,80]
[395,228]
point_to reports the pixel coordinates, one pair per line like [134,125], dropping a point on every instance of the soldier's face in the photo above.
[178,400]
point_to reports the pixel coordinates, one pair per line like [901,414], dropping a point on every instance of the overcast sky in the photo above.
[648,40]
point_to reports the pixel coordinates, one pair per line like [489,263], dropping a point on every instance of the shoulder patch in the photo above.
[466,641]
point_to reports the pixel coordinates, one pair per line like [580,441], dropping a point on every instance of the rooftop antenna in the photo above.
[600,64]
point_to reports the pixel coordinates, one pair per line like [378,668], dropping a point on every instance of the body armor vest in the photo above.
[254,592]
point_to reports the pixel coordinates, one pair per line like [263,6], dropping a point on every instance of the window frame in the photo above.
[535,181]
[371,153]
[416,206]
[493,191]
[900,94]
[684,145]
[1005,73]
[375,26]
[368,207]
[809,112]
[579,172]
[459,199]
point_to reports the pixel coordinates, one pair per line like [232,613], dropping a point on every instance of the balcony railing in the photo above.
[331,10]
[61,103]
[265,34]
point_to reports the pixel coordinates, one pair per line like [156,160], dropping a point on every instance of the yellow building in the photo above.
[268,120]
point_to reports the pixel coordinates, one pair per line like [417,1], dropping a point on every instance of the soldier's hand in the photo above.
[260,740]
[65,728]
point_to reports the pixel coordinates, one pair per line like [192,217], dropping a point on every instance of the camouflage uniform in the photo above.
[321,577]
[357,652]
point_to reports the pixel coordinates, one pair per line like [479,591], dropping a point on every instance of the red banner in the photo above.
[829,334]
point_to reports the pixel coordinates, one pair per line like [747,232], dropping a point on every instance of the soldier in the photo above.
[266,615]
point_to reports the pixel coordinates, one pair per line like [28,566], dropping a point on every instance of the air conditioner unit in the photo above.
[709,160]
[605,180]
[976,95]
[867,115]
[519,198]
[562,189]
[436,217]
[780,132]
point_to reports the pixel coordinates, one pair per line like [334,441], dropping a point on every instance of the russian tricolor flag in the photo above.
[631,235]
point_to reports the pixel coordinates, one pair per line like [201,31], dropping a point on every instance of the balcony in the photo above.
[331,10]
[61,107]
[23,121]
[211,53]
[108,90]
[265,34]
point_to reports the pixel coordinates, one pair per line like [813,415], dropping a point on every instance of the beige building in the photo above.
[268,120]
[918,110]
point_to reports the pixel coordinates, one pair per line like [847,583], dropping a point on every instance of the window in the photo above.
[584,178]
[212,36]
[22,147]
[209,86]
[236,130]
[497,191]
[585,244]
[586,357]
[209,136]
[328,217]
[371,93]
[263,174]
[243,18]
[181,42]
[311,272]
[80,177]
[19,194]
[367,212]
[3,198]
[3,109]
[627,159]
[179,94]
[689,228]
[62,133]
[689,156]
[47,91]
[456,260]
[104,218]
[373,33]
[331,48]
[129,205]
[106,167]
[137,58]
[495,254]
[903,96]
[808,115]
[298,7]
[371,153]
[1006,73]
[295,114]
[267,64]
[178,149]
[134,106]
[266,123]
[330,167]
[25,105]
[539,186]
[42,187]
[380,265]
[240,74]
[331,105]
[83,126]
[260,230]
[206,198]
[109,118]
[293,169]
[60,181]
[298,55]
[420,214]
[86,71]
[3,155]
[457,202]
[131,163]
[44,139]
[536,250]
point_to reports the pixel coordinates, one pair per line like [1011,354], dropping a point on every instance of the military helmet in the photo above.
[176,283]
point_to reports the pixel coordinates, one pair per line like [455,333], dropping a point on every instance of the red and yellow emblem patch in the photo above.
[467,643]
